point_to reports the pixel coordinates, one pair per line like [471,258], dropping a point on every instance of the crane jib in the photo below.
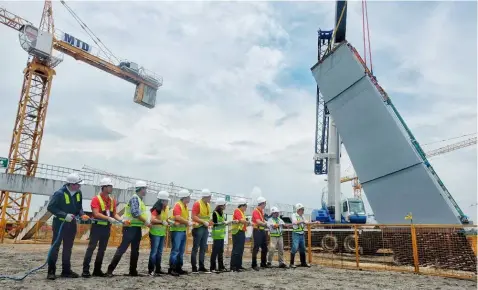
[70,39]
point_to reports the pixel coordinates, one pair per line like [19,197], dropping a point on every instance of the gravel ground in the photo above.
[15,259]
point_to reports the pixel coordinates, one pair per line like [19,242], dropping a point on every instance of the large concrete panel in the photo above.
[331,78]
[392,173]
[370,133]
[411,190]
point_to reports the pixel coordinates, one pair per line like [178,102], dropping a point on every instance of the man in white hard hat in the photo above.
[157,232]
[135,217]
[238,232]
[178,233]
[201,215]
[66,206]
[276,224]
[298,239]
[103,207]
[259,234]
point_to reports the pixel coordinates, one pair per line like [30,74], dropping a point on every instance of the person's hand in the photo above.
[235,221]
[147,223]
[69,217]
[190,223]
[85,217]
[111,220]
[276,226]
[126,222]
[165,223]
[206,224]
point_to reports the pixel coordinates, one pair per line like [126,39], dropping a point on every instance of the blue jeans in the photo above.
[157,243]
[178,245]
[298,242]
[200,236]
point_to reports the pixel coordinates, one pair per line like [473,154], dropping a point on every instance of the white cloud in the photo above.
[227,118]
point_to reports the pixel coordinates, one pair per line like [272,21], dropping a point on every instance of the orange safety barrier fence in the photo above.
[442,250]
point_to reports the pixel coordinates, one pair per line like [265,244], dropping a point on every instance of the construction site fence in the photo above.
[442,250]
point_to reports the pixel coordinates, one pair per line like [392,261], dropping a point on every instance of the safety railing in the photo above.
[442,250]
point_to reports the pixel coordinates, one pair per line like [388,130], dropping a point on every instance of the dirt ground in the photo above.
[16,259]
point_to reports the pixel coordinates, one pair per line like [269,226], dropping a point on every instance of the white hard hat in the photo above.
[140,183]
[164,195]
[106,181]
[220,201]
[242,201]
[274,209]
[73,178]
[206,192]
[299,206]
[184,193]
[261,199]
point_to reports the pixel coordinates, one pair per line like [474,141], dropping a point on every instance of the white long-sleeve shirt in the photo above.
[271,223]
[298,221]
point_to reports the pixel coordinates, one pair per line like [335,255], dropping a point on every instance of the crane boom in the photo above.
[39,42]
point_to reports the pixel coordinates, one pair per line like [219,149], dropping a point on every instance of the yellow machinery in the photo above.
[40,44]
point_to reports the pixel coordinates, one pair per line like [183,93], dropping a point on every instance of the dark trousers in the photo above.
[99,235]
[260,241]
[200,236]
[238,241]
[217,252]
[131,236]
[67,238]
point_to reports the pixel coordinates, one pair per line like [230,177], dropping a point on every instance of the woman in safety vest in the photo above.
[218,235]
[157,232]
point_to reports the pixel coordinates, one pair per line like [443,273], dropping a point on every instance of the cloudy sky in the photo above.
[237,108]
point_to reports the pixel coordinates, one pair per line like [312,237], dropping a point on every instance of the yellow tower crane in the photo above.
[357,187]
[40,43]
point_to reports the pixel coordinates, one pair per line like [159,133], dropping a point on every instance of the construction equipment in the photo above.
[40,43]
[357,187]
[389,161]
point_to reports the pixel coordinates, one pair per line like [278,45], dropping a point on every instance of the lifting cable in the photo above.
[444,140]
[91,34]
[366,35]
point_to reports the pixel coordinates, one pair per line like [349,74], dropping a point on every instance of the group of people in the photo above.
[66,206]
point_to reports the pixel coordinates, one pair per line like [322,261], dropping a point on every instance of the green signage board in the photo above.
[3,162]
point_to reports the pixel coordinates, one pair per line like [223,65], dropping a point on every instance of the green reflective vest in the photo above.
[275,232]
[299,228]
[128,216]
[160,230]
[219,231]
[238,226]
[103,209]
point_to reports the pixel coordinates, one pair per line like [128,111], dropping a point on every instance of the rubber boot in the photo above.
[51,273]
[303,262]
[292,257]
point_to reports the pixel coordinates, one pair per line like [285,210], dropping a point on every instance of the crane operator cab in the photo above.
[353,211]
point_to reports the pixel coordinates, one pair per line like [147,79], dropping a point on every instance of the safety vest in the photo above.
[103,209]
[299,228]
[238,227]
[262,219]
[276,232]
[219,231]
[67,199]
[142,208]
[160,230]
[204,213]
[177,227]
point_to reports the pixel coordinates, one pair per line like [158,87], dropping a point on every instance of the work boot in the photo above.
[51,274]
[283,266]
[69,274]
[292,257]
[173,272]
[303,262]
[86,274]
[203,270]
[195,270]
[99,273]
[159,271]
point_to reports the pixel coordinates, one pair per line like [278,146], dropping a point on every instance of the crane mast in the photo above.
[39,42]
